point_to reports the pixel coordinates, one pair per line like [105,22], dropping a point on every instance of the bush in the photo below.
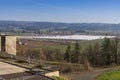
[39,66]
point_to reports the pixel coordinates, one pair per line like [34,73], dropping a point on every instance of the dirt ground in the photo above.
[88,75]
[36,43]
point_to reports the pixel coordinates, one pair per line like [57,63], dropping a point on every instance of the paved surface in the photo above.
[12,72]
[23,76]
[9,69]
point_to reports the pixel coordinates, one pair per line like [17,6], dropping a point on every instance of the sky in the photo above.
[69,11]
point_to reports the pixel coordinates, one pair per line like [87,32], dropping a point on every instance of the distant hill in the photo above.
[29,25]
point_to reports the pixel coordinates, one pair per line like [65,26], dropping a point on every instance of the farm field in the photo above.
[51,45]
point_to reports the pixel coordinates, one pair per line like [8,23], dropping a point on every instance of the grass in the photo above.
[61,47]
[85,44]
[58,78]
[114,75]
[53,47]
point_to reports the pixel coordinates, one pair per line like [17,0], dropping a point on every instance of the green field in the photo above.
[62,47]
[114,75]
[51,46]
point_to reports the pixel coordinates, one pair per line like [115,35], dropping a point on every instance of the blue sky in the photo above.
[70,11]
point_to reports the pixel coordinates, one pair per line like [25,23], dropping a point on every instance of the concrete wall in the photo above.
[55,73]
[10,45]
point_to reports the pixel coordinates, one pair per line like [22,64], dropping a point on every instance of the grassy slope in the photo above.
[114,75]
[85,44]
[52,47]
[61,47]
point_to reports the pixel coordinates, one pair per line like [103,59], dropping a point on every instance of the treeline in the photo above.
[100,54]
[41,54]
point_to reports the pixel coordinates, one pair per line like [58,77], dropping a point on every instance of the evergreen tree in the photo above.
[106,51]
[96,54]
[90,54]
[115,46]
[67,56]
[76,53]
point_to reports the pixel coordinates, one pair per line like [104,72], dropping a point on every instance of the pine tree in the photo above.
[115,46]
[76,53]
[96,54]
[106,51]
[67,56]
[90,54]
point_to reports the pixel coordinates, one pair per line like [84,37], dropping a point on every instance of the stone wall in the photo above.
[10,45]
[55,73]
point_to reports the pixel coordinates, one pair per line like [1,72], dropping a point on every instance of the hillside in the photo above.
[52,27]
